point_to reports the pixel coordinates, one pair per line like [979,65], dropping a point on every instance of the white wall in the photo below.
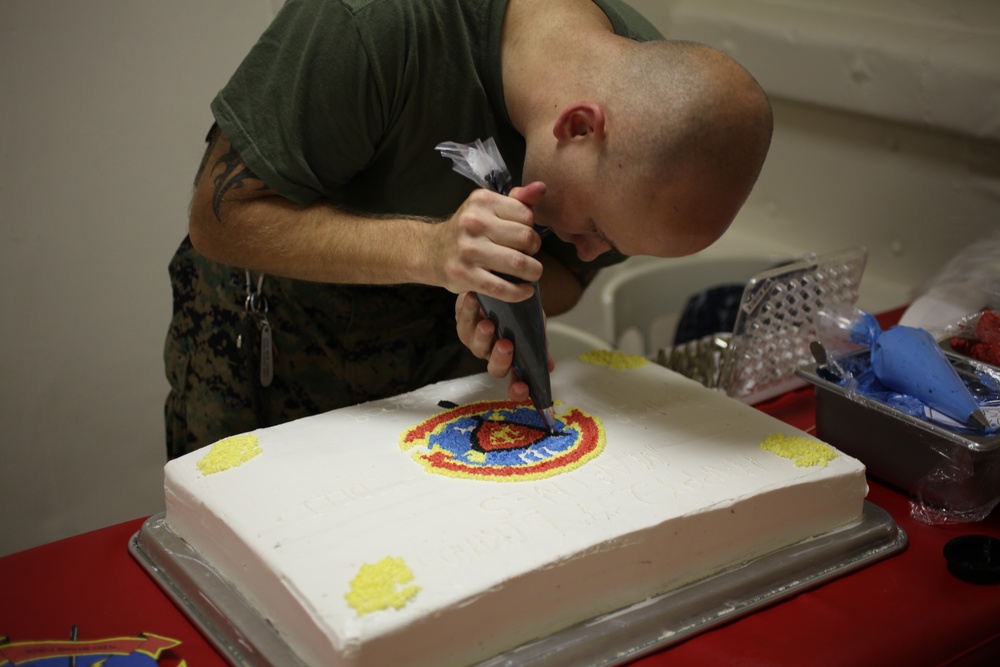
[887,128]
[103,111]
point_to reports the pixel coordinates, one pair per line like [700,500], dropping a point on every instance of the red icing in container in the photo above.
[984,345]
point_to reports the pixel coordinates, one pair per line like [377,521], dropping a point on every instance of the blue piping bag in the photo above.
[523,323]
[909,361]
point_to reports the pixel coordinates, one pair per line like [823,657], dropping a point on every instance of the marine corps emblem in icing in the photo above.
[503,441]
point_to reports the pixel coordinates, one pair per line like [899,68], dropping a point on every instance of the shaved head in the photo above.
[647,148]
[685,113]
[673,102]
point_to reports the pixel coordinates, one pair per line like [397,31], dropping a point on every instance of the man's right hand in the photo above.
[491,234]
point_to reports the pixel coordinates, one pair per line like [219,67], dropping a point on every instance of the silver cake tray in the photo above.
[244,637]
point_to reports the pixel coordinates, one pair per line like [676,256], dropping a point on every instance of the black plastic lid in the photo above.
[974,558]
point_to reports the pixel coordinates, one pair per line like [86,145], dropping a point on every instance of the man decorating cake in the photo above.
[328,238]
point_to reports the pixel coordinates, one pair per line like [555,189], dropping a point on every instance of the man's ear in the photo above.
[580,119]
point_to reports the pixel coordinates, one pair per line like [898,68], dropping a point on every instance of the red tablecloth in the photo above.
[906,610]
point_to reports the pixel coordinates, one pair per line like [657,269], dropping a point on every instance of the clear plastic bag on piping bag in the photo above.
[844,331]
[480,162]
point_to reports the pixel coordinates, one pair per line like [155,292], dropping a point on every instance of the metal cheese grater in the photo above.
[778,318]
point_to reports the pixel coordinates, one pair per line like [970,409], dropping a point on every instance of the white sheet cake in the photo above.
[441,527]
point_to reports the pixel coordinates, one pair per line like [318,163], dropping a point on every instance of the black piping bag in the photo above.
[523,322]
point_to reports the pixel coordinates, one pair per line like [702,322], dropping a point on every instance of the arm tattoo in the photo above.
[234,174]
[211,138]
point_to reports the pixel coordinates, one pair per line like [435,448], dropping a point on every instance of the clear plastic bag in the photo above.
[480,162]
[968,283]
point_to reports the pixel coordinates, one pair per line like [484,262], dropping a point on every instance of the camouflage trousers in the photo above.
[332,346]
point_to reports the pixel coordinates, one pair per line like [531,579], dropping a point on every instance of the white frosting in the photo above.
[681,490]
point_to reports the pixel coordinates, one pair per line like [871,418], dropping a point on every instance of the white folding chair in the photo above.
[649,295]
[567,341]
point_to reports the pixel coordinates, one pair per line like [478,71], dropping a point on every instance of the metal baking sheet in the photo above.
[245,638]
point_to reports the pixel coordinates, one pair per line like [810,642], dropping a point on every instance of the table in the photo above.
[906,610]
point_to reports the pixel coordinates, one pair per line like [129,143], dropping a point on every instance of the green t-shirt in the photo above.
[346,100]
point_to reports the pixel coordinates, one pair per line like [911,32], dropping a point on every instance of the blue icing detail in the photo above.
[458,439]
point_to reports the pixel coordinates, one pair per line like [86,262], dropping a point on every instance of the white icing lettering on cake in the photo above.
[473,546]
